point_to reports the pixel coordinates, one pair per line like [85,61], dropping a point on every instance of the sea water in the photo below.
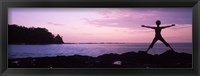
[94,50]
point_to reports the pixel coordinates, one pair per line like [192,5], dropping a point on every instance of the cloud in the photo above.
[56,24]
[182,26]
[135,17]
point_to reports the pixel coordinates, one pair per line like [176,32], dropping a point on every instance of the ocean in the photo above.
[94,50]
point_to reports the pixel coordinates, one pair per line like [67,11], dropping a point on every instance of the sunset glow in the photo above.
[107,24]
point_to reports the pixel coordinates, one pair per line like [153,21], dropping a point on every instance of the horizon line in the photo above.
[114,42]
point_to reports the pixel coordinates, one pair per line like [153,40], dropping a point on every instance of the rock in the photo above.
[117,62]
[168,59]
[58,40]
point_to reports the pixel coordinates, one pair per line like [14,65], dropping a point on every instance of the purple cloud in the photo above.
[135,17]
[56,24]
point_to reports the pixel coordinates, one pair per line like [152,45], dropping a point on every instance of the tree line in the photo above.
[24,35]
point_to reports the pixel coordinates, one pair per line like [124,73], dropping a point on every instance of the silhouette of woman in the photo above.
[158,35]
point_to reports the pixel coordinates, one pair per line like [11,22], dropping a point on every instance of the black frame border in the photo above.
[4,4]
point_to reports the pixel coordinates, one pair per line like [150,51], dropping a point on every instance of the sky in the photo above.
[107,24]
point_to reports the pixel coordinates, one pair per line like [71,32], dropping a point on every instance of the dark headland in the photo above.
[32,35]
[168,59]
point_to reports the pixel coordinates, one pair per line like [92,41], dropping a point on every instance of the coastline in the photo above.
[168,59]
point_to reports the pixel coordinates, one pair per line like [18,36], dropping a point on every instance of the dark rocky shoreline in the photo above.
[168,59]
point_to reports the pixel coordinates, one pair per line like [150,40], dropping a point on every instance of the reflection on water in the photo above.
[21,51]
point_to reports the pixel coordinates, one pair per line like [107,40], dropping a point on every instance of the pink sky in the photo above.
[107,24]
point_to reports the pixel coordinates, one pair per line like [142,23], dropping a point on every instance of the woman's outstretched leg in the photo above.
[166,44]
[152,43]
